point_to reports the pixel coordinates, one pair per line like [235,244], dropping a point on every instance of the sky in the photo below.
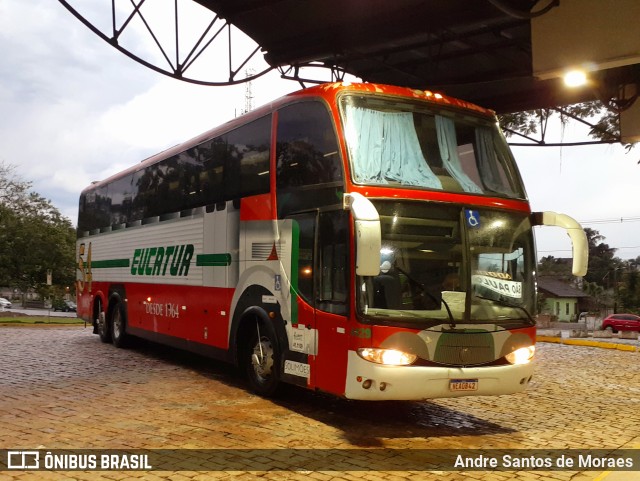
[73,110]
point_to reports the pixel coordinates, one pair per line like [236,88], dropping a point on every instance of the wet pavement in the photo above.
[61,388]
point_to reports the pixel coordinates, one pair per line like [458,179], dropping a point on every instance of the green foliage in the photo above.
[605,122]
[525,123]
[550,266]
[629,287]
[610,281]
[597,293]
[34,237]
[603,264]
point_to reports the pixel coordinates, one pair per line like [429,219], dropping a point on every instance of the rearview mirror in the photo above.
[368,235]
[575,231]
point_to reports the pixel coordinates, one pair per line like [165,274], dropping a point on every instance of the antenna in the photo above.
[248,93]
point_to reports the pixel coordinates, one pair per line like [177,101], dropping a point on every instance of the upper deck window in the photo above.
[308,161]
[226,167]
[403,143]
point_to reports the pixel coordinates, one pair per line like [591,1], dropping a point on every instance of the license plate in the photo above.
[463,385]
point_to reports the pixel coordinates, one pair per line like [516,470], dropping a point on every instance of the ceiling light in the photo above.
[575,78]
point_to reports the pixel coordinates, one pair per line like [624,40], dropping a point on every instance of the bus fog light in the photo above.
[389,357]
[522,355]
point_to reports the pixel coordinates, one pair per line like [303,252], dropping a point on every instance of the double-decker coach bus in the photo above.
[369,241]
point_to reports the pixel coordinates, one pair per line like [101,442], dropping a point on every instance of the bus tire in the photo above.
[118,325]
[262,358]
[103,328]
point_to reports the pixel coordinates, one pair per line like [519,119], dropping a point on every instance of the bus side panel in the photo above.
[198,314]
[178,275]
[257,207]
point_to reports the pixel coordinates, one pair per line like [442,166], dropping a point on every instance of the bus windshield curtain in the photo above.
[448,145]
[487,160]
[384,147]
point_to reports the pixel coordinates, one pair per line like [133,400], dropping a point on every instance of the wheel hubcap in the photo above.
[117,324]
[262,358]
[102,325]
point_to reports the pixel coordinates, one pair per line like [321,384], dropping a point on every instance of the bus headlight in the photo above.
[388,357]
[522,355]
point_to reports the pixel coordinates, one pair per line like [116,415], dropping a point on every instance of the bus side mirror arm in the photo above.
[575,231]
[367,231]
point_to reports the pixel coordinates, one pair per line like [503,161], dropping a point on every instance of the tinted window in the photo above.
[248,159]
[333,249]
[227,167]
[304,239]
[322,269]
[309,165]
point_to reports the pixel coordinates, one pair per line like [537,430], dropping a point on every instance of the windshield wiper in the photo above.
[419,285]
[501,301]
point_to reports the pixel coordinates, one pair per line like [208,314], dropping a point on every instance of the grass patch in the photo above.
[40,320]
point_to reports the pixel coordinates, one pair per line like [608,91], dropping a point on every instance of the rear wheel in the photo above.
[101,324]
[262,359]
[118,325]
[609,328]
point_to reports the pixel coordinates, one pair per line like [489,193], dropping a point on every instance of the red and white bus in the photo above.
[364,240]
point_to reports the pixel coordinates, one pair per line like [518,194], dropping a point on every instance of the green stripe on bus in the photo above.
[213,260]
[295,266]
[110,263]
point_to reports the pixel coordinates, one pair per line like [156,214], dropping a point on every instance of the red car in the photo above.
[621,322]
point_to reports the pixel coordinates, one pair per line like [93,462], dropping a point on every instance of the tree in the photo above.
[34,237]
[603,264]
[609,281]
[597,295]
[619,279]
[557,268]
[629,291]
[603,120]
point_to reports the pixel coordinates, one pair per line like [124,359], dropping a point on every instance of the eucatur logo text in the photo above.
[162,261]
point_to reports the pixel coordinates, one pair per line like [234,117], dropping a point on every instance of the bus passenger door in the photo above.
[321,286]
[309,188]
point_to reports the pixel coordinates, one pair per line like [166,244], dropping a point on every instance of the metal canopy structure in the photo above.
[477,50]
[469,49]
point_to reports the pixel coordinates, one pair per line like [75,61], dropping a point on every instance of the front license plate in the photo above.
[463,385]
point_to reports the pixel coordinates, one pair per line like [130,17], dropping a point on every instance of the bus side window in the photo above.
[309,165]
[322,270]
[333,262]
[304,241]
[247,163]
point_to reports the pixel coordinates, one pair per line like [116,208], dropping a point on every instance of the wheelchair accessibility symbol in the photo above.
[473,217]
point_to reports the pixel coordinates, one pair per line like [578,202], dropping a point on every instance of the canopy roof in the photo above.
[479,50]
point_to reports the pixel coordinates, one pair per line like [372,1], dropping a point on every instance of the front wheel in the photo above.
[262,360]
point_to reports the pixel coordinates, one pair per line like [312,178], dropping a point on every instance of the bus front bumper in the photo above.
[376,382]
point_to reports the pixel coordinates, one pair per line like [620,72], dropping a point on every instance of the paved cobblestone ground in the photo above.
[62,388]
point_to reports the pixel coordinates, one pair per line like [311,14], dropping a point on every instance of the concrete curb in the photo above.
[589,343]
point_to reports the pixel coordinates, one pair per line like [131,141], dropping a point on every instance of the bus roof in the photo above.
[327,91]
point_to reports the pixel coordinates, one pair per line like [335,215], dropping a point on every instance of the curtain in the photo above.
[448,144]
[384,147]
[487,160]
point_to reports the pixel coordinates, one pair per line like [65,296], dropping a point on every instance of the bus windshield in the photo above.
[411,144]
[448,264]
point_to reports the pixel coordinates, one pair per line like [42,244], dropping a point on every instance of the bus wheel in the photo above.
[103,328]
[263,360]
[118,325]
